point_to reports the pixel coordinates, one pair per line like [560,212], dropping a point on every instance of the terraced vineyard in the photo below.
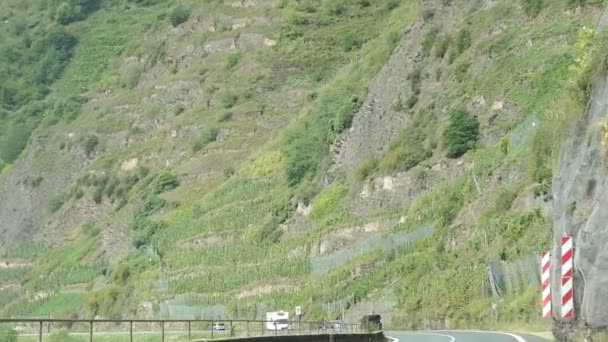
[211,159]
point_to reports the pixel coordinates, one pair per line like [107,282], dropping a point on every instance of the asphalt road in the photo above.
[460,336]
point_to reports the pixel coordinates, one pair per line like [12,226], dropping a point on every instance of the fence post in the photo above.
[90,331]
[40,333]
[262,332]
[231,329]
[162,331]
[247,329]
[131,331]
[189,331]
[211,329]
[276,331]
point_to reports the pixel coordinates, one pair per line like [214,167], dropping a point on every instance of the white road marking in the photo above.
[516,337]
[452,338]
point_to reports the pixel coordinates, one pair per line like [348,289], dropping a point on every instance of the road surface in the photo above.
[459,336]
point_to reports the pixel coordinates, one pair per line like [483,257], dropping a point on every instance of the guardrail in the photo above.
[190,329]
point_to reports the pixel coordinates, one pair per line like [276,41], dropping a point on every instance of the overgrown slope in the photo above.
[222,158]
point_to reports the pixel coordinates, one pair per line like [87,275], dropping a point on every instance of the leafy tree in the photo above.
[461,134]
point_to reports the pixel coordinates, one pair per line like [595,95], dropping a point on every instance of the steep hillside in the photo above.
[223,158]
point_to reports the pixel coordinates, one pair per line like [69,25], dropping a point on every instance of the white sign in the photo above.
[298,310]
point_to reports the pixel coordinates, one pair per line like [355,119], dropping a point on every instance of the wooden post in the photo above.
[90,331]
[162,331]
[211,329]
[40,333]
[247,329]
[131,331]
[189,331]
[231,329]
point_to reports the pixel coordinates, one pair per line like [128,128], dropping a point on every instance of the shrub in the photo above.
[428,14]
[57,202]
[336,8]
[392,4]
[461,134]
[178,16]
[223,116]
[98,195]
[328,201]
[461,43]
[461,69]
[178,110]
[415,77]
[442,46]
[90,144]
[411,101]
[129,78]
[409,149]
[90,230]
[532,7]
[68,107]
[121,274]
[166,181]
[229,99]
[352,41]
[365,168]
[232,60]
[208,136]
[429,40]
[14,142]
[229,172]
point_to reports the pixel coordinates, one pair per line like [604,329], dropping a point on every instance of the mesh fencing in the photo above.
[512,277]
[388,242]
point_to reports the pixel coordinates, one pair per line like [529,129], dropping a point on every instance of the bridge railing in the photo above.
[41,329]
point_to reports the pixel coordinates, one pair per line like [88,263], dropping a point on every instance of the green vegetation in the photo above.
[411,146]
[461,134]
[166,181]
[178,16]
[365,168]
[90,144]
[248,194]
[532,7]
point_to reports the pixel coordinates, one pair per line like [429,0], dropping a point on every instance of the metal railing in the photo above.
[190,329]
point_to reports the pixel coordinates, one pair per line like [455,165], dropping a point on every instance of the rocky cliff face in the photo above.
[580,190]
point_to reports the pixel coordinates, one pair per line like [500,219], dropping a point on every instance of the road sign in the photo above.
[298,311]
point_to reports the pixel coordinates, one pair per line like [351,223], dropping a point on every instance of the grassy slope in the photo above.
[313,78]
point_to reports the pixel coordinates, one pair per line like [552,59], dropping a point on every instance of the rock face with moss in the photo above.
[580,193]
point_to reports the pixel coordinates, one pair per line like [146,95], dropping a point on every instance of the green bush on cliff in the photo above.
[461,134]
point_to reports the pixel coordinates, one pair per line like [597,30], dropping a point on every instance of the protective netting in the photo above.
[513,277]
[388,242]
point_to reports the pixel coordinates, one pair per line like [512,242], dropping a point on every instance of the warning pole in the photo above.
[545,261]
[567,272]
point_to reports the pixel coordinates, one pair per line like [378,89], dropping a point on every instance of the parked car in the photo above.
[372,322]
[337,325]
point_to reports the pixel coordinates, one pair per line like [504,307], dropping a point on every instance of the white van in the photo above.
[277,320]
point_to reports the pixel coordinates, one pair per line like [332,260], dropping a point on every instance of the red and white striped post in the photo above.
[567,267]
[545,277]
